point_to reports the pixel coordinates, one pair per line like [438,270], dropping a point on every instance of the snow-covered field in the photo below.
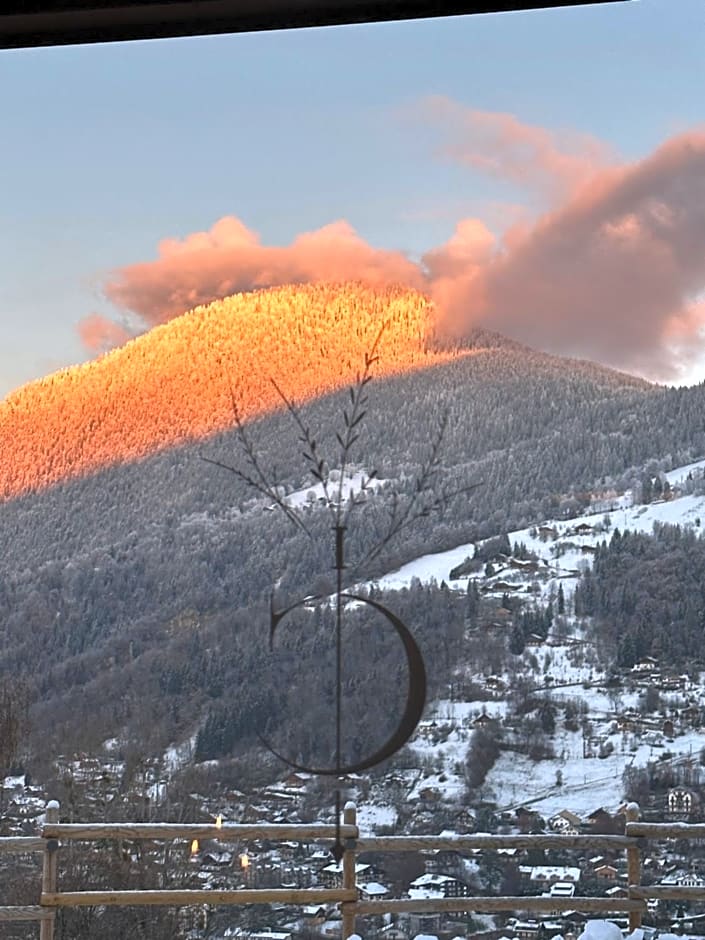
[352,484]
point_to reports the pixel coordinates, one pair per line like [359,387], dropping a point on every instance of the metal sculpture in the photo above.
[424,501]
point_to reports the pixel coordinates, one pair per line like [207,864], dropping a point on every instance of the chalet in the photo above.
[602,822]
[443,861]
[421,926]
[430,795]
[566,822]
[330,928]
[372,891]
[297,781]
[527,929]
[692,714]
[551,928]
[465,819]
[683,879]
[497,618]
[605,872]
[617,891]
[505,586]
[437,886]
[255,814]
[313,914]
[646,665]
[533,639]
[562,889]
[526,819]
[547,532]
[583,529]
[523,564]
[332,875]
[547,875]
[495,684]
[393,932]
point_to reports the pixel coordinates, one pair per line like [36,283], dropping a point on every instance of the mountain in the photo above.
[138,582]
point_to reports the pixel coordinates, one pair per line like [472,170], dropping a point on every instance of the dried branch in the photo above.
[266,490]
[257,479]
[424,500]
[418,506]
[358,402]
[317,466]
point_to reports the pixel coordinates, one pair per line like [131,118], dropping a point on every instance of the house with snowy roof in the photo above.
[372,891]
[430,886]
[332,875]
[562,889]
[546,875]
[565,822]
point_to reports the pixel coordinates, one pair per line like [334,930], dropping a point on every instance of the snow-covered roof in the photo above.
[550,872]
[336,868]
[373,887]
[429,880]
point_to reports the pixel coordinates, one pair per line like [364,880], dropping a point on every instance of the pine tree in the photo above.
[516,641]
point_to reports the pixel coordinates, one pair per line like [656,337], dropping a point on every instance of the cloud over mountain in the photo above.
[230,258]
[611,268]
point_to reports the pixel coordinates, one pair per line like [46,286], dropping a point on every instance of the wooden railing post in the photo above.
[633,865]
[49,870]
[349,875]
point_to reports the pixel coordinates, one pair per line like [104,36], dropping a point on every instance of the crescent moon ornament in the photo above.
[415,699]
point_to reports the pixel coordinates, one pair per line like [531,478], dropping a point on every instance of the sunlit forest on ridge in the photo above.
[177,382]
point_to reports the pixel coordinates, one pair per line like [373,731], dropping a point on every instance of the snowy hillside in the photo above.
[562,546]
[586,770]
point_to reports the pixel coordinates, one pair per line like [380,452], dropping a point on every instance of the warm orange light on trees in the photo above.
[173,383]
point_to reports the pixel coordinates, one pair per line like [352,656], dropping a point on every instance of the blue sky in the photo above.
[109,149]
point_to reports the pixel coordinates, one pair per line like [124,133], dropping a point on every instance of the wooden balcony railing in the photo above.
[633,842]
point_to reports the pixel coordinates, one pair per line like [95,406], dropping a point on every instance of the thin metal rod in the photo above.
[339,565]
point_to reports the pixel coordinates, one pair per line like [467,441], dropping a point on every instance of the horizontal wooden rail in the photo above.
[485,904]
[228,832]
[666,830]
[471,842]
[16,845]
[27,912]
[667,893]
[208,896]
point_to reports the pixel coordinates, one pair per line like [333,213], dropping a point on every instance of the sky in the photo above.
[539,173]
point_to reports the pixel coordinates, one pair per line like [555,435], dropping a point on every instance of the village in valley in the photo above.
[550,740]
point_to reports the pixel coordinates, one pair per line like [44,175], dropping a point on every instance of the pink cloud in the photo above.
[230,258]
[611,272]
[99,334]
[499,144]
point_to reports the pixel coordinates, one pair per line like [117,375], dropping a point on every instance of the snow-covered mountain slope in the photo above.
[563,546]
[588,763]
